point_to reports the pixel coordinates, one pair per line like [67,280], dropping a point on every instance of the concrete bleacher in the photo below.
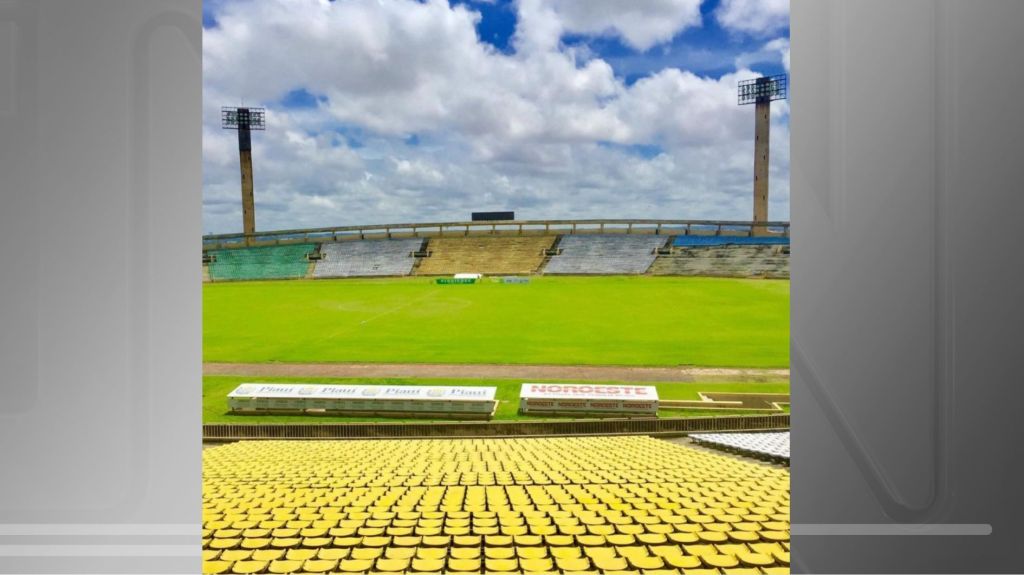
[485,254]
[772,445]
[625,504]
[365,258]
[728,260]
[605,254]
[264,262]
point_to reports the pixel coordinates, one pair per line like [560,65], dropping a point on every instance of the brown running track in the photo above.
[495,371]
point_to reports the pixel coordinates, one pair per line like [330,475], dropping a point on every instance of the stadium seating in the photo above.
[485,255]
[605,254]
[265,262]
[367,258]
[703,241]
[767,444]
[768,261]
[543,505]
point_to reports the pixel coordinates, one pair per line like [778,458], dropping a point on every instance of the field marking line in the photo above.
[403,306]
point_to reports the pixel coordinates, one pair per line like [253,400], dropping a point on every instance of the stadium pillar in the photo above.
[243,120]
[248,203]
[761,92]
[762,113]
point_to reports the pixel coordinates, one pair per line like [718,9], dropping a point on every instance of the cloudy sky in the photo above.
[385,111]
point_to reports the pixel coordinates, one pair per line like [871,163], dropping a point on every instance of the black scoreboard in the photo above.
[493,216]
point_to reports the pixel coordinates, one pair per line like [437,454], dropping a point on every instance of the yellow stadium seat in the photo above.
[224,543]
[300,554]
[427,565]
[464,552]
[532,552]
[566,552]
[268,554]
[393,565]
[366,553]
[285,542]
[355,565]
[216,567]
[284,566]
[536,565]
[235,555]
[432,552]
[756,559]
[499,552]
[683,561]
[245,567]
[572,564]
[610,563]
[501,565]
[463,565]
[318,566]
[716,561]
[333,554]
[645,563]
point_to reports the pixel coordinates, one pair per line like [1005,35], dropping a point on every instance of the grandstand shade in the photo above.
[568,504]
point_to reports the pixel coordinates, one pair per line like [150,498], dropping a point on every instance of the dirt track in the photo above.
[492,371]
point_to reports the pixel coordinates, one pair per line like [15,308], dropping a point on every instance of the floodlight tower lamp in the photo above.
[244,120]
[761,92]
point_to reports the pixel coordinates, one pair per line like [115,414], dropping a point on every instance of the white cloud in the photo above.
[774,51]
[756,17]
[547,130]
[639,23]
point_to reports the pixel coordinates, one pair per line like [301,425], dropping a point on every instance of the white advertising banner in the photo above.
[418,398]
[551,397]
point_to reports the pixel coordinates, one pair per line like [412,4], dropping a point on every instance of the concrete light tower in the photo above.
[761,92]
[243,120]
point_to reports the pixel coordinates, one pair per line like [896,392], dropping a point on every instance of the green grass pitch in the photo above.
[634,321]
[216,389]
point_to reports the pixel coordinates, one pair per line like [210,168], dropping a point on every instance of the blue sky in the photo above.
[401,110]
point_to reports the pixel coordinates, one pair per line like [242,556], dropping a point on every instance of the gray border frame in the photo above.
[900,237]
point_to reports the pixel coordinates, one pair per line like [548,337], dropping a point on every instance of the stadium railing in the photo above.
[520,227]
[633,426]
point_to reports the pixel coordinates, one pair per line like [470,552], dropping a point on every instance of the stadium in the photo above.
[694,313]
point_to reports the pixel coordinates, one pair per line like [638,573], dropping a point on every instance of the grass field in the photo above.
[216,389]
[656,321]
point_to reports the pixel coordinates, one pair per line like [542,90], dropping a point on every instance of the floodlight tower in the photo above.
[761,92]
[244,120]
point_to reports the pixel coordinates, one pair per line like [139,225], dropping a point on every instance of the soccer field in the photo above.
[655,321]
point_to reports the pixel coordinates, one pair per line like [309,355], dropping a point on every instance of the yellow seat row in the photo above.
[561,505]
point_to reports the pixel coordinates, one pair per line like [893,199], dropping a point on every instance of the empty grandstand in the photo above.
[568,247]
[485,255]
[262,262]
[545,505]
[605,254]
[365,258]
[720,259]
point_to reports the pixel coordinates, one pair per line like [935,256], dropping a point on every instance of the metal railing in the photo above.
[637,426]
[511,227]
